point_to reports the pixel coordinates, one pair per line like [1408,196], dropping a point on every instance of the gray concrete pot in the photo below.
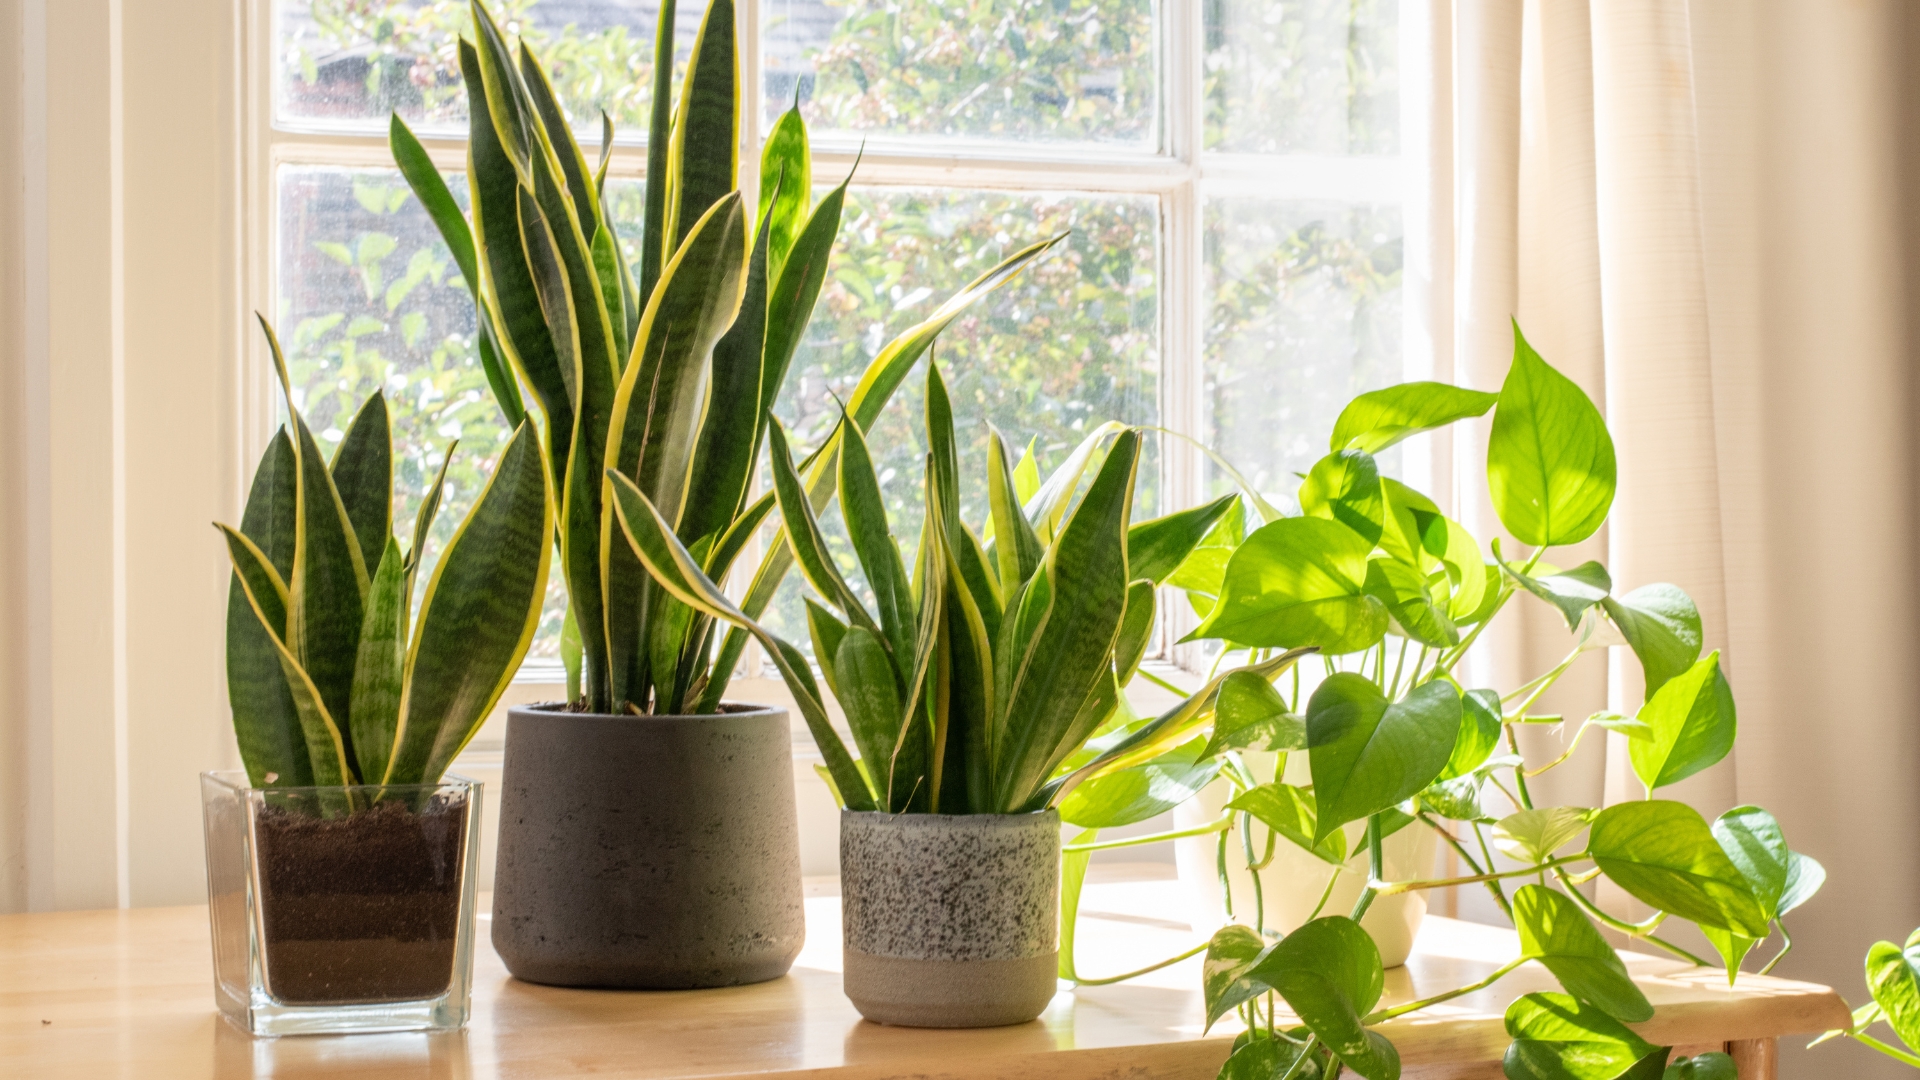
[951,920]
[656,852]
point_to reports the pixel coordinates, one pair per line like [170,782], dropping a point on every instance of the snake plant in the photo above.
[332,679]
[663,373]
[971,682]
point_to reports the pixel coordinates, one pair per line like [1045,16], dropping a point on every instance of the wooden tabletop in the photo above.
[100,994]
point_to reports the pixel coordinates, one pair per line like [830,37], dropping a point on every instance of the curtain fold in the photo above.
[1699,212]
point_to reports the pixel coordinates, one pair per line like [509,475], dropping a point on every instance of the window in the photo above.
[1230,171]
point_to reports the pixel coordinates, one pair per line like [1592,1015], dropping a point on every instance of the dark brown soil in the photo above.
[362,908]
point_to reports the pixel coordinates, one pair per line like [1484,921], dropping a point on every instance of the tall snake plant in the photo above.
[332,679]
[664,373]
[970,683]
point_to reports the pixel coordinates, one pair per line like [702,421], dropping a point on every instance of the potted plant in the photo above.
[648,834]
[968,685]
[340,864]
[1394,739]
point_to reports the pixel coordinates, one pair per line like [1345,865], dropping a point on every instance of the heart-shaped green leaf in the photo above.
[1156,548]
[1571,591]
[1344,486]
[1224,982]
[1550,464]
[1380,418]
[1479,732]
[1259,1056]
[1554,931]
[1805,875]
[1693,724]
[1664,854]
[1368,754]
[1662,626]
[1458,799]
[1404,592]
[1753,841]
[1291,812]
[1249,714]
[1733,948]
[1532,836]
[1459,554]
[1893,974]
[1330,975]
[1295,582]
[1558,1038]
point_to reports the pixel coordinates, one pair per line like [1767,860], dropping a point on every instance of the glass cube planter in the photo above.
[341,909]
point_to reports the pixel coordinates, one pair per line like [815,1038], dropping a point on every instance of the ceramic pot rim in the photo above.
[952,821]
[729,710]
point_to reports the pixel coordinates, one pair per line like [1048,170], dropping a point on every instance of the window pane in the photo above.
[1303,312]
[369,298]
[1303,76]
[352,62]
[1072,343]
[1017,70]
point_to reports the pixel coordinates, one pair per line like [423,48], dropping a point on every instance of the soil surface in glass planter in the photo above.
[363,908]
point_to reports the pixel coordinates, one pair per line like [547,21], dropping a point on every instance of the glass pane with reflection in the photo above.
[1302,76]
[1015,70]
[1302,312]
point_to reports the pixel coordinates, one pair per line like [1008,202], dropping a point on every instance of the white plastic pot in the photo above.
[1293,883]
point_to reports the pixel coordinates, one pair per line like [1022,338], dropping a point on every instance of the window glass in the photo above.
[370,299]
[1018,70]
[1302,76]
[1072,343]
[1303,312]
[350,63]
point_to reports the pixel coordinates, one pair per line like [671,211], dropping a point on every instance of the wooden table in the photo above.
[100,994]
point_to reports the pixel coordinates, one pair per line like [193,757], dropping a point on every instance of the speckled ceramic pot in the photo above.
[951,920]
[648,852]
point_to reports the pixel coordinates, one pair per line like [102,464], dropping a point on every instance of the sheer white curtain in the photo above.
[1699,212]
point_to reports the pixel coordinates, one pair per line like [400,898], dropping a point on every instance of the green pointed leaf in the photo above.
[943,451]
[1532,836]
[1403,590]
[1572,591]
[1662,626]
[478,616]
[1893,974]
[1554,931]
[1344,486]
[1224,982]
[1156,548]
[1805,875]
[1465,568]
[1073,879]
[1479,733]
[865,513]
[1072,653]
[827,632]
[1457,798]
[1664,854]
[870,694]
[610,275]
[704,157]
[1374,421]
[1550,464]
[796,288]
[1259,1056]
[786,185]
[379,669]
[1048,505]
[1202,573]
[265,722]
[362,472]
[667,560]
[1292,812]
[1136,631]
[1693,724]
[1404,516]
[1754,843]
[1298,582]
[561,145]
[1632,728]
[1128,796]
[1330,975]
[1014,543]
[423,520]
[1733,948]
[805,536]
[269,599]
[1368,754]
[431,189]
[1558,1038]
[654,247]
[729,436]
[1249,714]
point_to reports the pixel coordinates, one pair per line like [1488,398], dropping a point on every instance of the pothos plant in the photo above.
[333,679]
[969,684]
[663,372]
[1393,595]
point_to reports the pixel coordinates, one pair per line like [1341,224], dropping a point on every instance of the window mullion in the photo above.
[1182,379]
